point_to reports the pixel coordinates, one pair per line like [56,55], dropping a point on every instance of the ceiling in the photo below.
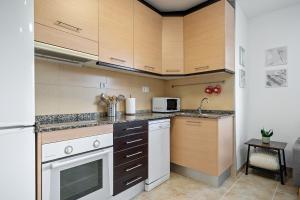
[254,8]
[174,5]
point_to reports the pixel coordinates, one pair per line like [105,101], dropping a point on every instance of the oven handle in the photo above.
[61,164]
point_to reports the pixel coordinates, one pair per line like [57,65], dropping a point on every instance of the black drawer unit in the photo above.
[127,128]
[130,154]
[127,182]
[130,168]
[130,141]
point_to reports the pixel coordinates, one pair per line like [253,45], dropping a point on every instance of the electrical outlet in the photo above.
[103,85]
[145,89]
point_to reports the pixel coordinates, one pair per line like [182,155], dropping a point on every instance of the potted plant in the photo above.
[266,135]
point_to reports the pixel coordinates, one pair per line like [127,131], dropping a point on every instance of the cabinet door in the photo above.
[194,144]
[172,45]
[147,38]
[70,24]
[204,39]
[116,32]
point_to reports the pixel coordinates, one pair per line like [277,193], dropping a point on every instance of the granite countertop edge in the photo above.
[43,127]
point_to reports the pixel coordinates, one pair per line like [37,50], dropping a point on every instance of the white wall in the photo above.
[240,93]
[276,108]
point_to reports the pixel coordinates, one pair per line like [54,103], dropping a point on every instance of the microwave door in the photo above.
[172,104]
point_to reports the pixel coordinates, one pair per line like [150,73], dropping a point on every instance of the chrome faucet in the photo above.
[205,99]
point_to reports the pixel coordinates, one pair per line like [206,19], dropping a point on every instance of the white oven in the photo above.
[84,172]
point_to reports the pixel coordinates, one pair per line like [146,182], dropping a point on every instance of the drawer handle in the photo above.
[132,168]
[201,68]
[133,128]
[117,59]
[134,154]
[134,141]
[67,26]
[133,181]
[172,70]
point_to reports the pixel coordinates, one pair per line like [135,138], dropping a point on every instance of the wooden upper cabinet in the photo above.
[116,32]
[147,38]
[209,38]
[71,24]
[172,45]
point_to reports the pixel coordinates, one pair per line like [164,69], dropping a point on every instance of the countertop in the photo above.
[47,124]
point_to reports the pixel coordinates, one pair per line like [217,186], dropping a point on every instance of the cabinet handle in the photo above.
[149,67]
[133,128]
[134,141]
[193,122]
[67,26]
[133,181]
[117,59]
[134,154]
[172,70]
[132,168]
[201,68]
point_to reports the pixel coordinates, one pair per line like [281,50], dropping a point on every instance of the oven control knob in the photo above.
[68,149]
[96,144]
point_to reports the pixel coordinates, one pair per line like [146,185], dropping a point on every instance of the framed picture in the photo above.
[276,56]
[242,81]
[276,78]
[242,56]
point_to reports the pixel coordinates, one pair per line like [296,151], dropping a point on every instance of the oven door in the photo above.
[86,177]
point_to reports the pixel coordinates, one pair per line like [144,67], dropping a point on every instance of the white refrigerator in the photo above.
[17,138]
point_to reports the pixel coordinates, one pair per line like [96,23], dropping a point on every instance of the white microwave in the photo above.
[165,104]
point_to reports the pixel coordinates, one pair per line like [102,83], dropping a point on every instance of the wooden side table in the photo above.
[276,146]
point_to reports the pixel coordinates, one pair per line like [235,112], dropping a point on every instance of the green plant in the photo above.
[266,133]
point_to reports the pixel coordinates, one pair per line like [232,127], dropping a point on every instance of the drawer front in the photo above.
[129,181]
[133,167]
[130,141]
[127,128]
[130,154]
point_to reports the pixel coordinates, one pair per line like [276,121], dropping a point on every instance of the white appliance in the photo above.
[17,138]
[165,104]
[158,153]
[78,169]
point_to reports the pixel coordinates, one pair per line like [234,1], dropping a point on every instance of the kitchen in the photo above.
[119,101]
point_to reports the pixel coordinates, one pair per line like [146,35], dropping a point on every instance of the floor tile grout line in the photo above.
[276,189]
[230,188]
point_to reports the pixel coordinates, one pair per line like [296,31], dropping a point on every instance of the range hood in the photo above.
[50,52]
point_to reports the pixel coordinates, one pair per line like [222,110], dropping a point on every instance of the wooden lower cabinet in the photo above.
[202,144]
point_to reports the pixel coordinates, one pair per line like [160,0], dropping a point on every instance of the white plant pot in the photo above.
[266,140]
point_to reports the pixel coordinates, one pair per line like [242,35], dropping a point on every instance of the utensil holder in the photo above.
[112,110]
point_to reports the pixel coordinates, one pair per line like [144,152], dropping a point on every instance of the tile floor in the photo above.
[251,187]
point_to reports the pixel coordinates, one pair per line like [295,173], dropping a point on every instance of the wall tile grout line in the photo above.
[230,188]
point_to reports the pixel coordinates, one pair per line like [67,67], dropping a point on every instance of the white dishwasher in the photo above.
[159,153]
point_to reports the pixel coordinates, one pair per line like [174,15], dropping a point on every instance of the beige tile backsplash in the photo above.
[191,95]
[62,89]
